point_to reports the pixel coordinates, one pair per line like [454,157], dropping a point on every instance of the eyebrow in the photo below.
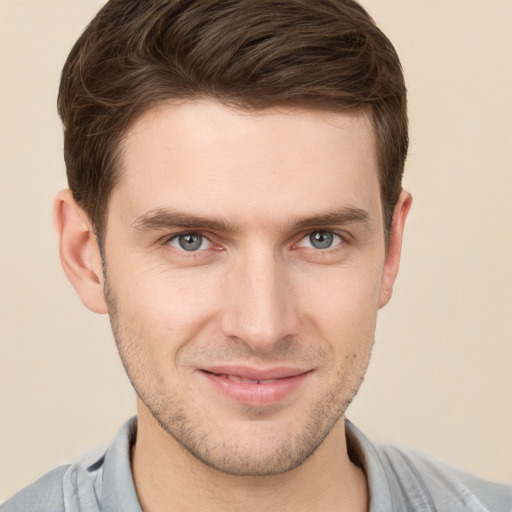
[342,216]
[161,218]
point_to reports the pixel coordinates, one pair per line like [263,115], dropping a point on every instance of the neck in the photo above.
[168,477]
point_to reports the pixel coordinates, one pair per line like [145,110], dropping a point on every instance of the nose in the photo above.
[259,307]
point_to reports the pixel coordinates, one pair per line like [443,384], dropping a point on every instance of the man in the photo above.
[236,208]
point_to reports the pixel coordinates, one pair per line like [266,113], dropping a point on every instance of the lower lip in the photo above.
[256,394]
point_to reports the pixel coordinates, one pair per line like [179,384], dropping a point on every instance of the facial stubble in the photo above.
[242,457]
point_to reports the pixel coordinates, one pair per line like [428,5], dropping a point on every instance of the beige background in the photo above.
[441,377]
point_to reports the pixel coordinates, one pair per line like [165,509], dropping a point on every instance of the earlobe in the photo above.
[79,252]
[394,248]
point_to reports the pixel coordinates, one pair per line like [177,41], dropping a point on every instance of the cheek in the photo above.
[349,293]
[162,303]
[342,304]
[170,307]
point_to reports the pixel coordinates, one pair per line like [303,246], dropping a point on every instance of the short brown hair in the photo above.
[249,54]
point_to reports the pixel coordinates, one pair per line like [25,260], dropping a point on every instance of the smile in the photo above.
[255,387]
[244,379]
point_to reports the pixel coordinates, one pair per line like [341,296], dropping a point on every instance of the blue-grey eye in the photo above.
[322,239]
[189,242]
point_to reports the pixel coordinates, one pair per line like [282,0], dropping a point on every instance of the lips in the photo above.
[236,378]
[255,386]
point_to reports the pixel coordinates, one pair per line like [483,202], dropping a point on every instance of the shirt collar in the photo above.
[119,489]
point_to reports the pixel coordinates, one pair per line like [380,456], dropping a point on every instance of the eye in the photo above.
[321,240]
[190,242]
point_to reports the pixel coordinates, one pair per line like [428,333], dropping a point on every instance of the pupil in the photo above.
[321,239]
[190,242]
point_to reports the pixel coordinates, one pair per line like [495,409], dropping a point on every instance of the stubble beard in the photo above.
[234,458]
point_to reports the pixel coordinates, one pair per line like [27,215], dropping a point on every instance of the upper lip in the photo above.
[247,372]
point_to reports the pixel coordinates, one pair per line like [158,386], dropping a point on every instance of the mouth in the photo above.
[255,386]
[236,378]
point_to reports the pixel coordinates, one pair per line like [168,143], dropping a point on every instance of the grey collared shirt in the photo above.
[398,481]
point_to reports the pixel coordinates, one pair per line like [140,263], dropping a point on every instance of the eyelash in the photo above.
[335,244]
[343,240]
[166,242]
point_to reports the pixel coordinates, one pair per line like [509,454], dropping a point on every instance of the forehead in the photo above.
[217,160]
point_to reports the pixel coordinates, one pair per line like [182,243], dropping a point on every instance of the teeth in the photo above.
[236,378]
[241,379]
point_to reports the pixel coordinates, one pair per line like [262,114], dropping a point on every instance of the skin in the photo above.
[255,294]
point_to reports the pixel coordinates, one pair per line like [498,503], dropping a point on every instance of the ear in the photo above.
[394,249]
[79,252]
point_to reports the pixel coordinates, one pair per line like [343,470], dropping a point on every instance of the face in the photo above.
[245,262]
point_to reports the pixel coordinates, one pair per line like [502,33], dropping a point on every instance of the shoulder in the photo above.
[44,495]
[418,475]
[79,487]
